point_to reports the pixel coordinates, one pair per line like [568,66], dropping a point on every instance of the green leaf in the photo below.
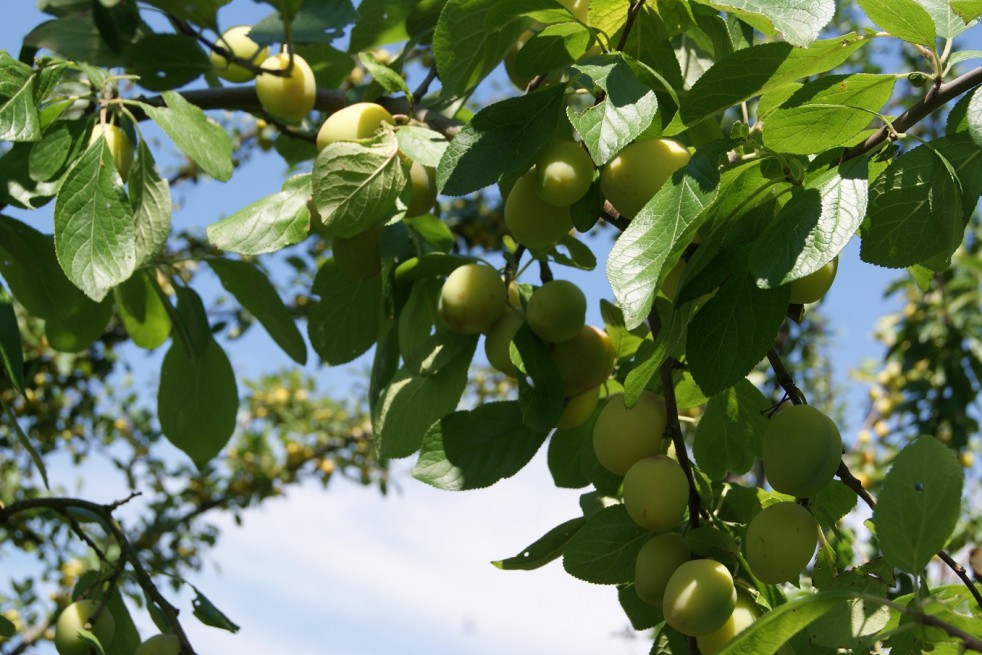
[973,116]
[554,47]
[252,288]
[95,239]
[499,140]
[604,550]
[474,449]
[730,431]
[380,22]
[544,550]
[732,332]
[841,104]
[564,455]
[17,188]
[166,61]
[267,225]
[465,51]
[388,79]
[203,140]
[19,120]
[125,637]
[411,403]
[904,19]
[641,615]
[540,388]
[74,37]
[200,12]
[969,10]
[345,322]
[919,504]
[652,353]
[7,629]
[197,400]
[645,252]
[60,145]
[947,23]
[626,111]
[422,144]
[80,330]
[11,349]
[813,226]
[142,310]
[752,71]
[25,442]
[207,613]
[915,211]
[315,22]
[800,21]
[151,202]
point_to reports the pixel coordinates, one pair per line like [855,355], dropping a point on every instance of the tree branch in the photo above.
[632,15]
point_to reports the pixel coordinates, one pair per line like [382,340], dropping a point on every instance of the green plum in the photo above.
[472,299]
[622,436]
[781,540]
[579,409]
[656,493]
[159,645]
[119,147]
[497,344]
[658,559]
[813,286]
[556,311]
[699,597]
[635,175]
[75,617]
[291,97]
[563,173]
[744,614]
[801,451]
[358,121]
[236,40]
[585,361]
[422,180]
[533,222]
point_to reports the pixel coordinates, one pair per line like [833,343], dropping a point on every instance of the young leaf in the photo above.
[605,549]
[544,549]
[800,21]
[151,202]
[904,19]
[203,140]
[919,504]
[345,321]
[11,350]
[474,449]
[95,240]
[356,185]
[730,431]
[142,310]
[499,140]
[267,225]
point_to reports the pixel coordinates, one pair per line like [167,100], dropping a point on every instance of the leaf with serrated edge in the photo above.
[605,549]
[544,550]
[904,19]
[204,141]
[267,225]
[730,431]
[800,21]
[344,323]
[151,201]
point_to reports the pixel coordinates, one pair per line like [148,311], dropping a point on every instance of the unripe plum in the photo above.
[422,180]
[159,645]
[556,311]
[358,121]
[622,436]
[360,256]
[781,540]
[585,361]
[578,409]
[520,81]
[563,173]
[801,451]
[533,222]
[658,559]
[656,493]
[497,344]
[119,146]
[73,618]
[635,175]
[236,40]
[289,98]
[813,286]
[744,614]
[699,597]
[472,299]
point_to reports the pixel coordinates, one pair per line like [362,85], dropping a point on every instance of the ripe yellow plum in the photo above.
[556,311]
[472,299]
[813,286]
[781,540]
[358,121]
[497,344]
[656,493]
[119,146]
[422,180]
[801,451]
[159,645]
[744,614]
[236,40]
[578,409]
[585,361]
[635,175]
[533,222]
[563,173]
[359,257]
[699,597]
[75,617]
[290,97]
[658,559]
[622,436]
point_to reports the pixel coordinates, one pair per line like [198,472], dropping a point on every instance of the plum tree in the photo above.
[358,121]
[159,645]
[656,493]
[76,617]
[585,361]
[657,560]
[422,180]
[497,343]
[533,222]
[563,173]
[119,146]
[236,40]
[801,451]
[359,257]
[472,299]
[624,436]
[744,614]
[578,409]
[813,286]
[287,97]
[699,597]
[635,175]
[556,311]
[781,540]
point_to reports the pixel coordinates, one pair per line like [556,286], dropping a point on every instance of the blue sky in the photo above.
[349,572]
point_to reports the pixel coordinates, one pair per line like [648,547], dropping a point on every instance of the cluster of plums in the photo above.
[78,616]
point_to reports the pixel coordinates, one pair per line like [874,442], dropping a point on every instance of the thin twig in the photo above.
[632,15]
